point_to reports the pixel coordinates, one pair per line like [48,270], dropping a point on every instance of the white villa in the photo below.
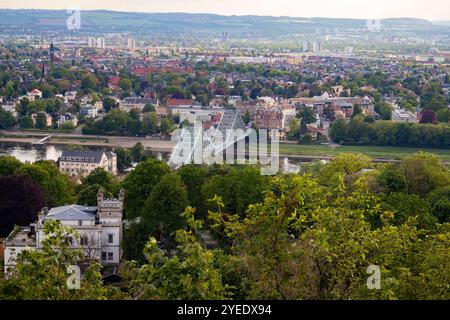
[100,230]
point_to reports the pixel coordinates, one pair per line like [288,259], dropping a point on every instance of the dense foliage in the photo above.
[306,236]
[387,133]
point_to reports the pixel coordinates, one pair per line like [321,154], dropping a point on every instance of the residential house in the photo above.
[195,113]
[89,111]
[70,96]
[33,94]
[100,228]
[128,104]
[10,108]
[67,118]
[82,163]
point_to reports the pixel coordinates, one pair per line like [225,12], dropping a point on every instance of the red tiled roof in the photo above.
[178,102]
[114,81]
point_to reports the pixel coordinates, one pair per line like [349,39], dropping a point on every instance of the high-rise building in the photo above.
[131,44]
[305,46]
[96,43]
[101,43]
[316,46]
[91,42]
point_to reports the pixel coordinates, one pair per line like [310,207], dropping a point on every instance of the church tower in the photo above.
[43,72]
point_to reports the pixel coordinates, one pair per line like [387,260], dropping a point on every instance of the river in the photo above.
[27,153]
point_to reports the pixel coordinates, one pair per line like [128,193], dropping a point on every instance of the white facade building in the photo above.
[89,111]
[402,115]
[195,113]
[100,229]
[131,44]
[82,163]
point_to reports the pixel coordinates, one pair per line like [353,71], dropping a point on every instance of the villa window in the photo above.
[110,256]
[84,241]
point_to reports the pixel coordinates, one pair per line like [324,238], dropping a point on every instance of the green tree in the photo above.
[405,206]
[58,189]
[344,165]
[150,123]
[238,188]
[424,172]
[163,208]
[41,120]
[9,165]
[357,110]
[109,103]
[194,177]
[192,274]
[125,84]
[384,110]
[439,200]
[89,82]
[26,122]
[7,120]
[87,195]
[124,159]
[137,152]
[100,177]
[149,108]
[443,115]
[140,183]
[392,179]
[338,131]
[166,126]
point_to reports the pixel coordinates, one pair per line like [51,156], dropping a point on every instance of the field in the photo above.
[389,153]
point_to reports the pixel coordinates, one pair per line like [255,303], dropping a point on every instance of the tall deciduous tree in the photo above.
[20,201]
[162,210]
[140,183]
[190,275]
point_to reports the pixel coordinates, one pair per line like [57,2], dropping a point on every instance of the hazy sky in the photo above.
[365,9]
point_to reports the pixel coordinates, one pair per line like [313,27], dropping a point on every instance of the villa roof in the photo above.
[72,212]
[82,156]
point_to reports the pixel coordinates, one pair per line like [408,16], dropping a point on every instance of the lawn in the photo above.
[395,153]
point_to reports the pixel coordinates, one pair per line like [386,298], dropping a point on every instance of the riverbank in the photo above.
[294,151]
[375,152]
[112,142]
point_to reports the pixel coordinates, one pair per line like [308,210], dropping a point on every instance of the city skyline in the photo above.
[433,10]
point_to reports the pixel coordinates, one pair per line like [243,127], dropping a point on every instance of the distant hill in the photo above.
[442,22]
[201,24]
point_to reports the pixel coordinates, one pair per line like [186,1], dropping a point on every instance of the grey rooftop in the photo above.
[72,212]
